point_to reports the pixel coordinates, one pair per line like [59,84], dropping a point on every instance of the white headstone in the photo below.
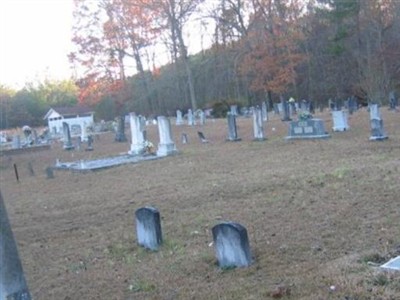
[179,119]
[258,127]
[340,120]
[191,120]
[137,134]
[166,145]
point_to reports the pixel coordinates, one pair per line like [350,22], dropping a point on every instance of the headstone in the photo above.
[285,110]
[67,137]
[339,120]
[148,228]
[138,138]
[12,280]
[392,101]
[16,142]
[184,138]
[166,145]
[49,173]
[120,130]
[234,110]
[307,129]
[258,127]
[84,135]
[89,143]
[264,111]
[377,131]
[190,117]
[353,105]
[231,245]
[202,137]
[179,119]
[232,129]
[202,117]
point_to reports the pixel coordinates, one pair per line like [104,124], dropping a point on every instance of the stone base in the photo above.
[259,139]
[166,149]
[307,137]
[137,150]
[340,129]
[378,138]
[68,147]
[233,140]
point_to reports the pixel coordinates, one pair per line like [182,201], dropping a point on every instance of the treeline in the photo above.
[29,105]
[261,50]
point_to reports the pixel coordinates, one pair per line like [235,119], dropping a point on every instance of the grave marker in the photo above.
[190,116]
[231,245]
[12,280]
[232,129]
[258,127]
[339,120]
[120,130]
[137,135]
[377,131]
[166,145]
[148,228]
[179,119]
[67,137]
[307,129]
[184,138]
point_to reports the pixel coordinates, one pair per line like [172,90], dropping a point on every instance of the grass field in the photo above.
[319,214]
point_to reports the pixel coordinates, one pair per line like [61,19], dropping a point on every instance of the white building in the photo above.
[76,117]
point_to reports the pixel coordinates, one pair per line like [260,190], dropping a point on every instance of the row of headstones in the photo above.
[31,139]
[230,239]
[191,117]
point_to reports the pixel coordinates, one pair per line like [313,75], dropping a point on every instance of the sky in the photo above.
[35,39]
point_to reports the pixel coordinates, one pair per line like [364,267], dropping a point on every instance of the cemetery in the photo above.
[258,207]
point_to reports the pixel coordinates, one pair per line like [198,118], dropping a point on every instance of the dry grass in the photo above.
[316,212]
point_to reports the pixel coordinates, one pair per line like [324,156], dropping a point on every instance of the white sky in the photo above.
[35,38]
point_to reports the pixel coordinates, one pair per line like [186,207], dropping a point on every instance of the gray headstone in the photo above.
[120,132]
[377,131]
[12,280]
[67,137]
[258,126]
[285,110]
[392,100]
[148,228]
[231,245]
[232,129]
[307,129]
[89,143]
[264,111]
[49,173]
[184,138]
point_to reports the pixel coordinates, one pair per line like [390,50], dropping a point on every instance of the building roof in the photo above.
[70,110]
